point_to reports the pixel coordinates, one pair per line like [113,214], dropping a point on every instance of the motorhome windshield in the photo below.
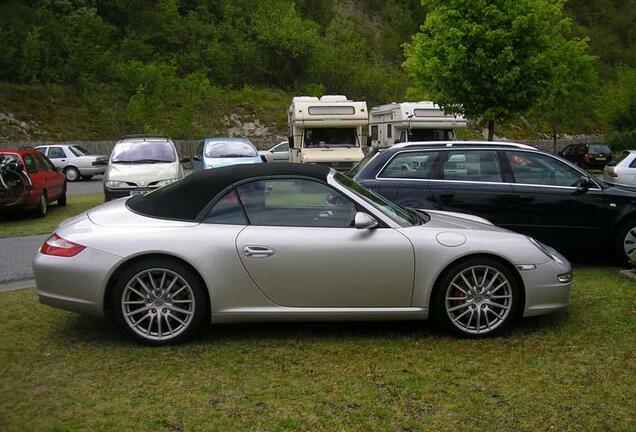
[330,137]
[431,135]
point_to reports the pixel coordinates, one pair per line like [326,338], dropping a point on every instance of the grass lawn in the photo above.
[571,371]
[23,223]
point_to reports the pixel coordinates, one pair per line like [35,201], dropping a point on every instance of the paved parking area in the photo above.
[85,187]
[16,254]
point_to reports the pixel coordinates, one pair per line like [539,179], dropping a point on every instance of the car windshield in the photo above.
[330,137]
[229,149]
[143,152]
[402,216]
[79,151]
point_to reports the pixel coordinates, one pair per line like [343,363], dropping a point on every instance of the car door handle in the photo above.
[258,251]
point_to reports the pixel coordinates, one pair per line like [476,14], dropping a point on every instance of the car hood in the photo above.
[452,220]
[116,214]
[142,174]
[221,162]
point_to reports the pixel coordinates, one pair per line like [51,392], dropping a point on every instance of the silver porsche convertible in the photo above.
[291,242]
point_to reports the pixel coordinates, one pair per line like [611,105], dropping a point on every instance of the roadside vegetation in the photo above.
[569,371]
[16,224]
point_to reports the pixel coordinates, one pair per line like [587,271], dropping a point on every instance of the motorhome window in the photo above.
[331,110]
[330,137]
[430,135]
[229,149]
[388,131]
[425,112]
[374,133]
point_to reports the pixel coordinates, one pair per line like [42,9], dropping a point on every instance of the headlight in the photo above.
[113,184]
[165,182]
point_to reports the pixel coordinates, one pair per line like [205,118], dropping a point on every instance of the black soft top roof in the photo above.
[184,200]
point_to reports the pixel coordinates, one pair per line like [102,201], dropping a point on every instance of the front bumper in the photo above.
[544,293]
[76,284]
[93,170]
[111,194]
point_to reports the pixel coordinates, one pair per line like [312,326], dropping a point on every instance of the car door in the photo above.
[552,207]
[302,250]
[473,181]
[280,153]
[57,155]
[54,179]
[405,179]
[39,178]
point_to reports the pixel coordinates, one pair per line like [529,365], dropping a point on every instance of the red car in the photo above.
[46,184]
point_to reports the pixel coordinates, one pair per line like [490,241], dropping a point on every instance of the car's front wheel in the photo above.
[477,297]
[159,301]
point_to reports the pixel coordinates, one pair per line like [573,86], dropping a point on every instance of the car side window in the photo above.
[538,169]
[411,165]
[296,202]
[44,163]
[30,164]
[56,153]
[282,147]
[227,210]
[633,163]
[41,150]
[472,165]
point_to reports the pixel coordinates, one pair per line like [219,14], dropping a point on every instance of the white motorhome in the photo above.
[411,121]
[330,130]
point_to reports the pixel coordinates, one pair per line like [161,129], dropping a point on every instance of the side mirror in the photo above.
[584,184]
[291,142]
[365,221]
[263,158]
[185,160]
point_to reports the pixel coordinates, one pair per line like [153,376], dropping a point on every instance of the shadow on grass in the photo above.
[104,332]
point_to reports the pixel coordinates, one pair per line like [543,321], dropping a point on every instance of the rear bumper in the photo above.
[76,284]
[93,170]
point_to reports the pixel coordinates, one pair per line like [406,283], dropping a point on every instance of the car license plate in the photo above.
[133,193]
[600,158]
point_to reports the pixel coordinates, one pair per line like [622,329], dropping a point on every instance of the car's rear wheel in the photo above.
[43,206]
[72,174]
[626,242]
[477,297]
[159,302]
[61,201]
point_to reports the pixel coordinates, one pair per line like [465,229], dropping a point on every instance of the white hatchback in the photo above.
[622,171]
[140,164]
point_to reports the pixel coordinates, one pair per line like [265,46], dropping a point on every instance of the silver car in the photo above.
[277,153]
[291,242]
[74,161]
[622,171]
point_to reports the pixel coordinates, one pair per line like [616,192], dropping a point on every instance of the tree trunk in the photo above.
[554,141]
[491,130]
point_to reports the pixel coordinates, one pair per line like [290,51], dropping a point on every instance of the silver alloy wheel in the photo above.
[478,299]
[629,242]
[158,304]
[71,174]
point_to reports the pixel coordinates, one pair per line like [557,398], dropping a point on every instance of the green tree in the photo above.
[570,89]
[486,59]
[620,110]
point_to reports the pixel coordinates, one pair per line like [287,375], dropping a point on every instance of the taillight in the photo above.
[612,174]
[57,246]
[586,157]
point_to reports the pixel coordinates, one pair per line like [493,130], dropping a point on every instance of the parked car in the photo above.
[140,164]
[622,170]
[515,186]
[291,242]
[74,161]
[277,153]
[587,156]
[44,185]
[220,152]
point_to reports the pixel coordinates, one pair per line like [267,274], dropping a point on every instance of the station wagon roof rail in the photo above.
[461,144]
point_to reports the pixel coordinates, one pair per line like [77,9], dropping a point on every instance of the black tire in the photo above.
[43,205]
[626,229]
[198,293]
[72,174]
[439,301]
[61,201]
[87,177]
